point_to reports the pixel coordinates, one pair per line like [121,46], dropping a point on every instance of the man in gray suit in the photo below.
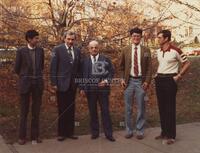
[64,69]
[29,66]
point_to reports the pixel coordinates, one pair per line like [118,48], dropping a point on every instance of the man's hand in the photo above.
[145,86]
[102,83]
[82,93]
[53,89]
[177,77]
[123,84]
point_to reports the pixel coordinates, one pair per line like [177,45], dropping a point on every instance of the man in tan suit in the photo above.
[135,67]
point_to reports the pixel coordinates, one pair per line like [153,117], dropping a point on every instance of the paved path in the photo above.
[188,141]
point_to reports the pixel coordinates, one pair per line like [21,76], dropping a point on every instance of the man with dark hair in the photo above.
[168,74]
[165,34]
[135,67]
[65,67]
[29,66]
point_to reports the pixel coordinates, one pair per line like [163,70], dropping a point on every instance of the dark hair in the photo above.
[30,34]
[136,30]
[166,34]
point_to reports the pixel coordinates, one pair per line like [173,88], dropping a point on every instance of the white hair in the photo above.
[93,42]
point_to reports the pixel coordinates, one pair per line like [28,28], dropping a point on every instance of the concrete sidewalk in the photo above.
[188,141]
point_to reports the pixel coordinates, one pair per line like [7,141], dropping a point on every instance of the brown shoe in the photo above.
[170,141]
[21,141]
[159,137]
[128,136]
[140,136]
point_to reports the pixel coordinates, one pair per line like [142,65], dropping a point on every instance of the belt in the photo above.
[166,74]
[138,77]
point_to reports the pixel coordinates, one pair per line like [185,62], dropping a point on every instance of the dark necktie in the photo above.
[135,62]
[70,52]
[94,59]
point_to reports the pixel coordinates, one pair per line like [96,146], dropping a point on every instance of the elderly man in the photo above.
[64,69]
[97,71]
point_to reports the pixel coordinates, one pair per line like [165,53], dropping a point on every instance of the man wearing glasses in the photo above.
[135,67]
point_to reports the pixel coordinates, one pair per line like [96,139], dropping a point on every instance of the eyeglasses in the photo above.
[136,36]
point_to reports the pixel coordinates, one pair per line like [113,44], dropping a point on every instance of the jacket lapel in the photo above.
[142,55]
[129,55]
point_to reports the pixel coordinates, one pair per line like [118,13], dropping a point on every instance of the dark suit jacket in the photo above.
[107,74]
[125,63]
[62,70]
[24,68]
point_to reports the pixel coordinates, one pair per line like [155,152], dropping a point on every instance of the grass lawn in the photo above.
[188,108]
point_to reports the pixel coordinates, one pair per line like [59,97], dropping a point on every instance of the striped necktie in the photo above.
[135,62]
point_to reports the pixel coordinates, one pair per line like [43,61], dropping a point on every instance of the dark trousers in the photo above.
[36,103]
[166,89]
[66,112]
[103,98]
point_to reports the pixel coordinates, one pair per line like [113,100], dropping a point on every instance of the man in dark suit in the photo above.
[135,67]
[64,69]
[29,66]
[97,72]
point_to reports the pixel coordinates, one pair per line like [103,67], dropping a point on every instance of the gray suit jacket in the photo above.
[24,68]
[62,70]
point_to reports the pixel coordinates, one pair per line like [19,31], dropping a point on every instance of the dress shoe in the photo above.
[21,141]
[94,136]
[61,138]
[111,138]
[72,137]
[159,137]
[170,141]
[128,136]
[140,136]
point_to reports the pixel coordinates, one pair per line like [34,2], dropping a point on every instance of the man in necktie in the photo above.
[97,69]
[135,67]
[65,68]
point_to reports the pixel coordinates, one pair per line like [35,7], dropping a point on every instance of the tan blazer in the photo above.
[146,64]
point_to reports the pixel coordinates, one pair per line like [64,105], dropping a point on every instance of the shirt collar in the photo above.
[167,50]
[68,47]
[138,46]
[97,56]
[29,47]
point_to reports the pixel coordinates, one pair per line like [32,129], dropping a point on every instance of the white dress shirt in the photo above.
[92,58]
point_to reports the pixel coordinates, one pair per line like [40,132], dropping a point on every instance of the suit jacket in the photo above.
[62,70]
[106,73]
[126,60]
[24,68]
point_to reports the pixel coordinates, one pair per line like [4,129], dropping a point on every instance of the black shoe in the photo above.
[94,136]
[72,137]
[61,138]
[111,138]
